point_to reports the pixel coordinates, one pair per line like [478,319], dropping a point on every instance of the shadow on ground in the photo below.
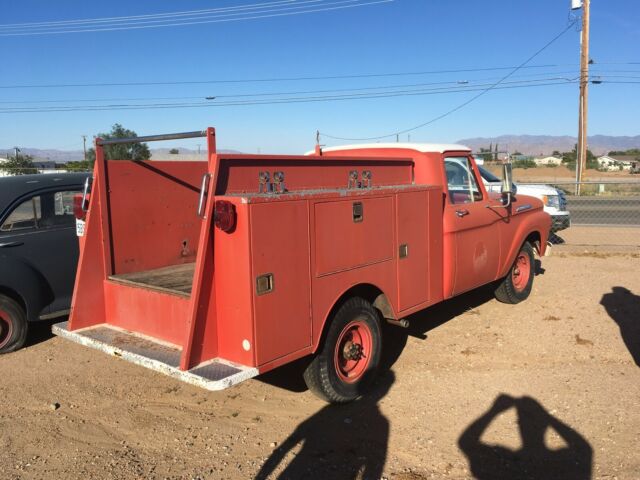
[624,308]
[395,338]
[534,460]
[40,331]
[339,442]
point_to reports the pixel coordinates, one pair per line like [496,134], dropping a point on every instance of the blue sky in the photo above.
[395,37]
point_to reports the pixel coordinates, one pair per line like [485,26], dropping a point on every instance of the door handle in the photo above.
[11,244]
[462,213]
[203,192]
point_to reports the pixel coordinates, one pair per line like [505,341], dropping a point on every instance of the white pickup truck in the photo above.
[555,202]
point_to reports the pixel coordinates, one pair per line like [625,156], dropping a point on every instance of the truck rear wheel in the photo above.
[349,358]
[516,286]
[13,325]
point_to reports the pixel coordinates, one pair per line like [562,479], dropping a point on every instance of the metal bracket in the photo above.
[366,179]
[264,186]
[278,182]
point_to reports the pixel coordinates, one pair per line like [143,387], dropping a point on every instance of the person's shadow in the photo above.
[534,460]
[624,308]
[338,442]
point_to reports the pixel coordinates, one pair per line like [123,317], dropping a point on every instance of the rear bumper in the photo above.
[216,374]
[560,222]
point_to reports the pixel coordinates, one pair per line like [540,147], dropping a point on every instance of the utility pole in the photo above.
[581,160]
[84,146]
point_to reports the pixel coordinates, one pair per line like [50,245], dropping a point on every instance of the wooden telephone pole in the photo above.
[581,160]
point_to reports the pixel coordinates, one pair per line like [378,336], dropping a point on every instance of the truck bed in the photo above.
[175,279]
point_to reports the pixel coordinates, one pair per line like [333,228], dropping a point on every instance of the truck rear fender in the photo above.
[367,291]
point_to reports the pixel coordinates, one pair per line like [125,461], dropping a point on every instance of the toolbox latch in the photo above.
[358,212]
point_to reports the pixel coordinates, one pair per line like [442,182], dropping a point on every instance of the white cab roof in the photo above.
[418,147]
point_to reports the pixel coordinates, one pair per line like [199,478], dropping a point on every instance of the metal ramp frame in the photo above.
[213,375]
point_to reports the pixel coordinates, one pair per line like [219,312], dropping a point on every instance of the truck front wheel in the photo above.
[13,325]
[349,358]
[516,286]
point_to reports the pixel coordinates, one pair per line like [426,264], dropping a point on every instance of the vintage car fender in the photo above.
[23,280]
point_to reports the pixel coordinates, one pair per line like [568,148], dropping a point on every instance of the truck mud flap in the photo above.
[216,374]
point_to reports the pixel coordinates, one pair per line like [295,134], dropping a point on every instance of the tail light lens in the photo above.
[78,211]
[224,216]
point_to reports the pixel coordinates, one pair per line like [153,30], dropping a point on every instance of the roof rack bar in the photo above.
[151,138]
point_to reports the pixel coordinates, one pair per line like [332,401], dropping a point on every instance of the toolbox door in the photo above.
[412,219]
[280,277]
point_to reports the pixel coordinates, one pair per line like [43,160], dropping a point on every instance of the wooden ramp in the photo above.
[175,279]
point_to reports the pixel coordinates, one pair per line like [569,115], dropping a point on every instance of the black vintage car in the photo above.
[38,251]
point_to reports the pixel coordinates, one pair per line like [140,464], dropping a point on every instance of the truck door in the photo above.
[471,240]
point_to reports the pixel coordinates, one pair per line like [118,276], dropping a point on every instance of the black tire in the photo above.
[516,286]
[13,325]
[348,360]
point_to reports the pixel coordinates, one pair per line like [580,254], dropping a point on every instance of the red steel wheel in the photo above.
[13,325]
[516,286]
[6,329]
[353,351]
[347,361]
[521,271]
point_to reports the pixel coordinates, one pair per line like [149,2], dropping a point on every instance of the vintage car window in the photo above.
[57,209]
[461,181]
[25,216]
[47,210]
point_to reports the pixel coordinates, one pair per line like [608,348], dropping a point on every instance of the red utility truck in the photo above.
[214,272]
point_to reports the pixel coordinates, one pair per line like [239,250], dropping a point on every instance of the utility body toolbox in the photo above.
[216,271]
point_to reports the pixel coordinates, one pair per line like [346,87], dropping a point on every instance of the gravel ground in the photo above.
[549,388]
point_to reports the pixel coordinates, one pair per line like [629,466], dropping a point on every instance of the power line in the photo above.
[299,92]
[272,13]
[276,79]
[467,102]
[265,102]
[154,15]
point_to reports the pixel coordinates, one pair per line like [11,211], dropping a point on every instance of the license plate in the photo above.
[80,227]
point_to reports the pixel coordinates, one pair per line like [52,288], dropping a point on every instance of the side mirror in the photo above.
[507,184]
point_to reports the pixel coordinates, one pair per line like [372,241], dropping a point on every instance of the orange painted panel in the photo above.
[159,315]
[233,288]
[328,289]
[153,213]
[239,173]
[342,243]
[412,224]
[280,247]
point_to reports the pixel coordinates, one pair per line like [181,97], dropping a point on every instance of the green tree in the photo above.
[486,154]
[495,156]
[569,159]
[174,151]
[125,151]
[19,165]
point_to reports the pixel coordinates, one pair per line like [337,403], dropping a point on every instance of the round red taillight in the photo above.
[224,216]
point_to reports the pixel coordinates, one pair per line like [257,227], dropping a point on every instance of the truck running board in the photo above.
[216,374]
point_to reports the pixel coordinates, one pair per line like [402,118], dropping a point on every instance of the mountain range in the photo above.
[539,145]
[527,144]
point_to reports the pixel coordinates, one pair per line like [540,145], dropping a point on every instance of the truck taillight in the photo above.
[224,215]
[78,211]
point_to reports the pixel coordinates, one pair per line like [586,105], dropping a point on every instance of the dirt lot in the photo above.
[545,389]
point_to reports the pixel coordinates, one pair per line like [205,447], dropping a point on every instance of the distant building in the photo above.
[546,161]
[614,164]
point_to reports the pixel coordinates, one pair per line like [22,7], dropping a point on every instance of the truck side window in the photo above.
[461,181]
